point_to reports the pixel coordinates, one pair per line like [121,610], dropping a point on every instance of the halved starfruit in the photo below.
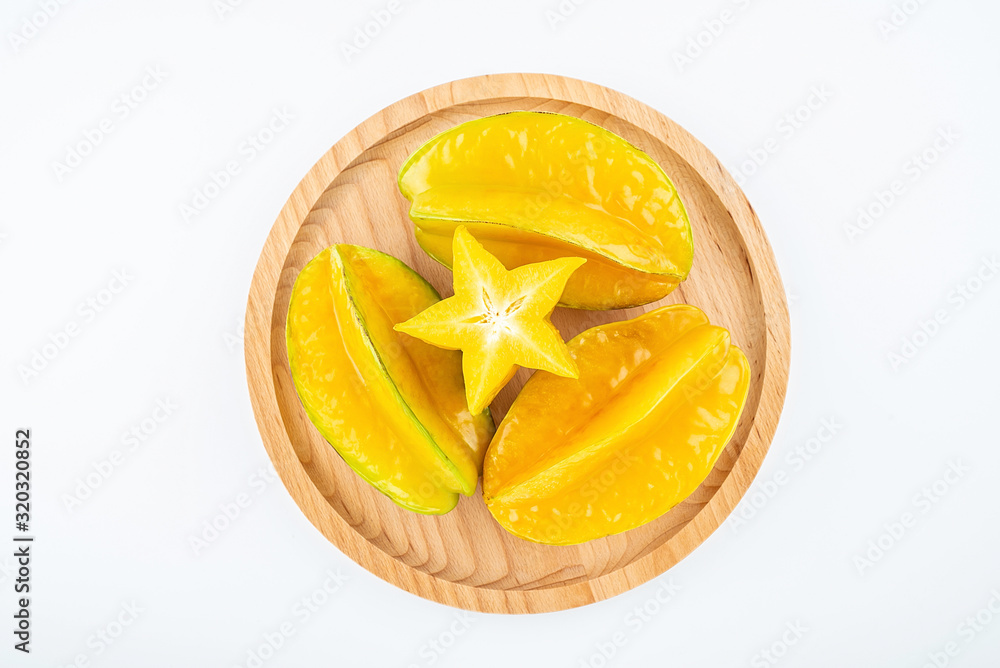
[656,402]
[537,186]
[392,406]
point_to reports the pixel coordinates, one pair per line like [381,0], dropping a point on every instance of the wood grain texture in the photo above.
[464,558]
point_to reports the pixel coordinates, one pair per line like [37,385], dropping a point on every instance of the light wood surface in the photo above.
[464,558]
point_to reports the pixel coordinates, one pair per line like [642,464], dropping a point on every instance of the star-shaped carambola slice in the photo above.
[499,319]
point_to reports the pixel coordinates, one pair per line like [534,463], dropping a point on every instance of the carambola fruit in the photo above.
[393,406]
[498,318]
[657,399]
[534,186]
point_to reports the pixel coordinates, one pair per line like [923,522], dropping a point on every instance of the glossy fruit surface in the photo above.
[498,318]
[534,186]
[657,400]
[392,406]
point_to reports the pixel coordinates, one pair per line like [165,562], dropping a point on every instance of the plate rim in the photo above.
[267,277]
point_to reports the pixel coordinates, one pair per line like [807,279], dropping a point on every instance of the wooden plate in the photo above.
[464,558]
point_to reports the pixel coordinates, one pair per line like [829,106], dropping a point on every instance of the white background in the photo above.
[173,333]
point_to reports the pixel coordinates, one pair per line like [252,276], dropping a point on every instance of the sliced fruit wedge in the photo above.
[393,407]
[657,400]
[498,318]
[535,186]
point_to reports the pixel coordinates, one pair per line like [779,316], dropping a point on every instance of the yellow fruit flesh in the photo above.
[584,188]
[498,318]
[657,400]
[344,382]
[429,378]
[616,283]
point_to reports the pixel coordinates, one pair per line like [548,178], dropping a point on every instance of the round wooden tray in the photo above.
[464,558]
